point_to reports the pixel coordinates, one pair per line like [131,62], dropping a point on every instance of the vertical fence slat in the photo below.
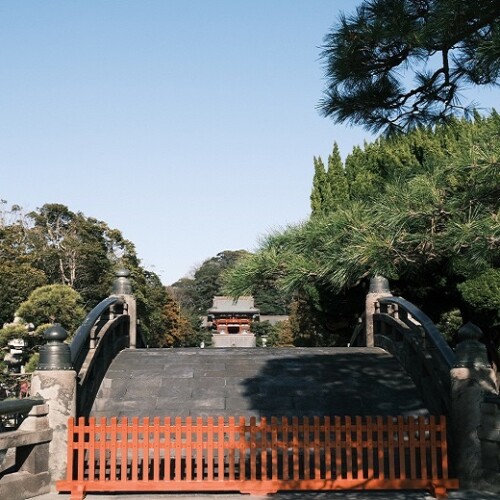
[285,435]
[210,449]
[91,444]
[262,473]
[306,447]
[134,466]
[178,449]
[103,448]
[443,447]
[253,445]
[274,448]
[401,448]
[422,446]
[199,450]
[295,448]
[113,448]
[145,428]
[380,448]
[391,444]
[339,472]
[231,449]
[124,448]
[243,447]
[348,447]
[413,447]
[220,449]
[370,447]
[328,448]
[433,446]
[316,449]
[156,449]
[167,463]
[189,448]
[81,449]
[358,436]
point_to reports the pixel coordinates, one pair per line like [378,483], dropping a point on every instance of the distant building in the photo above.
[231,321]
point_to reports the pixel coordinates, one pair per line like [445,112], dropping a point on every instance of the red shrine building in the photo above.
[231,321]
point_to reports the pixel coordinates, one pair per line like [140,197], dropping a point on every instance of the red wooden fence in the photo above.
[277,454]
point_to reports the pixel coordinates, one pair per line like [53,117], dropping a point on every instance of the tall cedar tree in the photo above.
[330,187]
[319,193]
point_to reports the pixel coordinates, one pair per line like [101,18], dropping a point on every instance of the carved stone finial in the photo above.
[122,285]
[470,353]
[55,354]
[469,331]
[379,284]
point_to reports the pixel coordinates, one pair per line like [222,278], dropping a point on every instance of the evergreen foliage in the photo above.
[55,246]
[53,304]
[371,55]
[330,187]
[427,219]
[319,194]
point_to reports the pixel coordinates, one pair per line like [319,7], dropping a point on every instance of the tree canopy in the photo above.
[53,245]
[53,304]
[394,64]
[422,210]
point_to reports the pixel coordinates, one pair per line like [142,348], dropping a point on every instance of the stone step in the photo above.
[256,382]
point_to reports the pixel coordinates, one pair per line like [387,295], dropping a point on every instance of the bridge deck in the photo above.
[256,382]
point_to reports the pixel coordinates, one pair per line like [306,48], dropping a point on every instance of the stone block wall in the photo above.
[489,435]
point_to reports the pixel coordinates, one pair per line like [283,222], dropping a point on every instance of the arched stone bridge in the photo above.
[397,363]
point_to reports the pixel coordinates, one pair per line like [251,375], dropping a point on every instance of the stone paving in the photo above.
[330,495]
[256,382]
[259,382]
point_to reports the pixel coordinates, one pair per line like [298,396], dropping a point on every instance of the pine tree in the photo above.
[394,64]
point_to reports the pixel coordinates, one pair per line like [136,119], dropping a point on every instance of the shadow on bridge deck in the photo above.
[256,382]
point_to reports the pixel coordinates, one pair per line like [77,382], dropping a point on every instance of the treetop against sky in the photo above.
[191,126]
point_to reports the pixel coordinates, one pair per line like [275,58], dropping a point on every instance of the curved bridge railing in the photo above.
[103,334]
[409,334]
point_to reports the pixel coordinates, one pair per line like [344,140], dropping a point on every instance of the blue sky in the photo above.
[189,125]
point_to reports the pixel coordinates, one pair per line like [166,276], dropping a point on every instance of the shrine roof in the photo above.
[223,304]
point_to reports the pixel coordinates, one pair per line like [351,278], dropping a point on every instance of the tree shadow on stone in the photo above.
[350,383]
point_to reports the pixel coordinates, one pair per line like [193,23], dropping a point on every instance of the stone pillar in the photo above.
[471,379]
[379,287]
[132,313]
[123,288]
[489,434]
[55,381]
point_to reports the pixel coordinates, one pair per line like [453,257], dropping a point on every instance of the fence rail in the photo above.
[274,454]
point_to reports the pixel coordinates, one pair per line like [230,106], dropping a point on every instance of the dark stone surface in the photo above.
[256,382]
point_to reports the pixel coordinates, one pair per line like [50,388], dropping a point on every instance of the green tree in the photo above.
[151,298]
[78,251]
[330,186]
[53,304]
[337,180]
[431,225]
[370,56]
[198,292]
[180,328]
[54,245]
[18,273]
[319,193]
